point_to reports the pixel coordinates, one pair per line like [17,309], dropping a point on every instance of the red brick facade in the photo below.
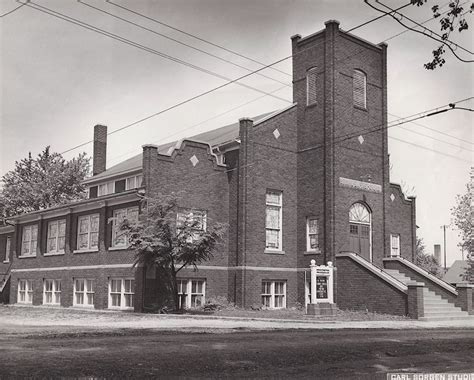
[322,158]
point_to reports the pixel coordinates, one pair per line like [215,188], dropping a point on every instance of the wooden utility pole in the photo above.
[444,239]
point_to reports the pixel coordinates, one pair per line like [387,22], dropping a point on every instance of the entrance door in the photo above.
[360,230]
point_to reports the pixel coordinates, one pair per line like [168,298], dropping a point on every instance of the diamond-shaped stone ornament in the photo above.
[194,160]
[392,197]
[276,133]
[361,139]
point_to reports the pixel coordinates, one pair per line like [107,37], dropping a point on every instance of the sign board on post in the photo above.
[322,289]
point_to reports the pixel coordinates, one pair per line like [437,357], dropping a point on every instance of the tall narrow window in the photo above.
[311,76]
[88,232]
[394,245]
[273,222]
[312,240]
[359,89]
[8,245]
[56,236]
[120,237]
[29,241]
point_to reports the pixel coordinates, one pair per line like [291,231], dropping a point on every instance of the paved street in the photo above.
[130,353]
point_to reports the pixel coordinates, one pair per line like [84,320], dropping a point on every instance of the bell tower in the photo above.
[340,86]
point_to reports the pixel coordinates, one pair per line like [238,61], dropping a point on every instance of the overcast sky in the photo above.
[58,80]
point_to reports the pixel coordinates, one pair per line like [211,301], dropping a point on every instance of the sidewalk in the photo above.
[47,317]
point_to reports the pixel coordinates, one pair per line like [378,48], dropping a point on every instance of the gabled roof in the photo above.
[214,137]
[456,272]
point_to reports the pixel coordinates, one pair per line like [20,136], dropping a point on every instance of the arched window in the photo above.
[311,86]
[359,213]
[360,89]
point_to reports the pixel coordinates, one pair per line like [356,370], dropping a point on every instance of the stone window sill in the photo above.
[27,256]
[360,108]
[6,261]
[53,254]
[86,250]
[119,248]
[274,252]
[313,252]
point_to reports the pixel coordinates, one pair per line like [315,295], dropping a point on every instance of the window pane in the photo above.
[313,226]
[52,229]
[34,232]
[272,239]
[51,244]
[116,286]
[61,243]
[95,223]
[83,225]
[94,240]
[273,198]
[90,285]
[313,241]
[83,242]
[79,285]
[273,217]
[62,228]
[80,298]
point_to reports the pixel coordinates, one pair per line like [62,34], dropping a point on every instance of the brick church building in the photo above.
[308,182]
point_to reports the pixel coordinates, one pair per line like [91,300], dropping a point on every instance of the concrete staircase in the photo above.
[435,307]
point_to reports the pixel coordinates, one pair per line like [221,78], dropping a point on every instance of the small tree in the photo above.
[42,182]
[169,239]
[427,261]
[462,218]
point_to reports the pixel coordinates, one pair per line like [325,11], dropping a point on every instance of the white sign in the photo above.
[322,283]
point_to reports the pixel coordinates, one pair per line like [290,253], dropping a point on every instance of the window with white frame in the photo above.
[120,237]
[360,89]
[25,291]
[83,292]
[52,292]
[133,182]
[88,232]
[106,188]
[56,236]
[191,293]
[311,77]
[312,235]
[29,240]
[274,294]
[121,292]
[395,245]
[273,220]
[195,220]
[8,244]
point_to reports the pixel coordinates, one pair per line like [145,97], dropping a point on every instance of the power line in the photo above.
[13,10]
[179,42]
[423,33]
[435,130]
[194,36]
[424,27]
[145,48]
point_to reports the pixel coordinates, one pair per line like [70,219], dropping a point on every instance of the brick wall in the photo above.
[360,289]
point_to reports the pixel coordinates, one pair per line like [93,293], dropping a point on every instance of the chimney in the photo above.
[100,149]
[437,253]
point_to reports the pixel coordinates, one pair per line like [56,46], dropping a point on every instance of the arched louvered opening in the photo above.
[311,93]
[360,89]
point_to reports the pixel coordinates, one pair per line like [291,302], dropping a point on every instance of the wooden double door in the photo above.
[359,239]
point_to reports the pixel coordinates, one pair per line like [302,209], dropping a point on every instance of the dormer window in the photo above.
[311,86]
[360,89]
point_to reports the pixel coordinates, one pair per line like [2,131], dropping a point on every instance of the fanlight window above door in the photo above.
[359,214]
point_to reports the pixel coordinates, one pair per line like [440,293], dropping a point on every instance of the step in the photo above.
[446,312]
[461,318]
[443,308]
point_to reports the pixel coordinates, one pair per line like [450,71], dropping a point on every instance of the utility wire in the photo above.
[178,42]
[435,130]
[424,27]
[422,33]
[194,36]
[13,10]
[145,48]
